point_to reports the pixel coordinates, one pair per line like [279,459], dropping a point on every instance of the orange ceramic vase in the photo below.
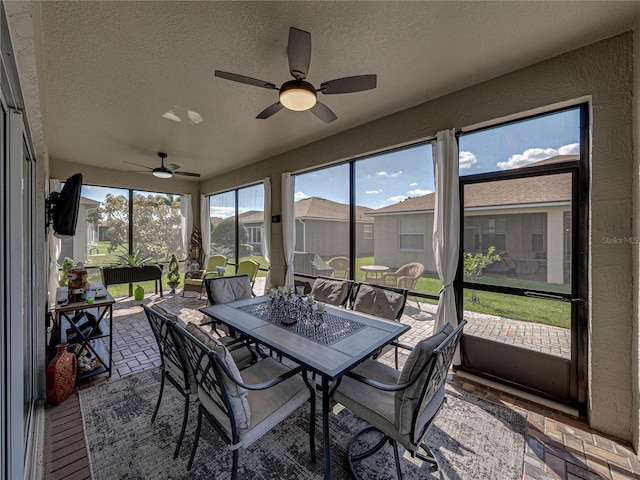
[61,375]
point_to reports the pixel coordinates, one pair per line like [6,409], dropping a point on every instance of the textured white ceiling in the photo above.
[112,69]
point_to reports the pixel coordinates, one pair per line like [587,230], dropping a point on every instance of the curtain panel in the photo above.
[205,228]
[446,228]
[186,214]
[288,226]
[266,234]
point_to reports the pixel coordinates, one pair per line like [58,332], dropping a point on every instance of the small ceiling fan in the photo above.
[164,171]
[298,94]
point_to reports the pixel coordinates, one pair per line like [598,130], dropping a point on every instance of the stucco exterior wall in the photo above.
[602,73]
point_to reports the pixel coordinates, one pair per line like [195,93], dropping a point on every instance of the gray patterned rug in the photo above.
[471,438]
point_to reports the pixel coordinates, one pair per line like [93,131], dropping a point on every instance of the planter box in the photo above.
[118,275]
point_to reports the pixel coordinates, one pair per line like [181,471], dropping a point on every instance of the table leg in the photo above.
[325,428]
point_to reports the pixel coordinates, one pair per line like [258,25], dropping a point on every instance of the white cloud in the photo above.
[396,199]
[416,192]
[467,159]
[571,149]
[222,212]
[387,174]
[373,191]
[533,155]
[414,184]
[300,196]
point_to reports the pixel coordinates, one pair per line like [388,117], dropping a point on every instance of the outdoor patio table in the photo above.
[329,346]
[373,273]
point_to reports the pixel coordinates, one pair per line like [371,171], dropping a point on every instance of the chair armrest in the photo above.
[402,345]
[387,387]
[260,386]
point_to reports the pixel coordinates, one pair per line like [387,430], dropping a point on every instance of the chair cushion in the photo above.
[333,292]
[194,282]
[237,394]
[230,289]
[271,406]
[373,405]
[407,400]
[165,313]
[378,302]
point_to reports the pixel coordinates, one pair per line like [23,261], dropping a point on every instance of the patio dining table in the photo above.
[330,344]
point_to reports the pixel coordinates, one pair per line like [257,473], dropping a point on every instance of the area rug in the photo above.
[472,439]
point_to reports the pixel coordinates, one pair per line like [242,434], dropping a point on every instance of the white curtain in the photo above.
[186,214]
[266,234]
[288,225]
[205,228]
[55,248]
[446,224]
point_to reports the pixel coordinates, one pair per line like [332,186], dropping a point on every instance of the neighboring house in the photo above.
[527,220]
[322,227]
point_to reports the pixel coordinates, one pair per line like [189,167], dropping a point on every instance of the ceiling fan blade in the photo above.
[138,165]
[299,51]
[358,83]
[323,112]
[270,110]
[172,166]
[242,79]
[187,174]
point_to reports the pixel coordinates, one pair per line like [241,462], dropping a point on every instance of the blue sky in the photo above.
[385,179]
[388,178]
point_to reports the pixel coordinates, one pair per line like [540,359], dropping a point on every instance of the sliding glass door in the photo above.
[523,259]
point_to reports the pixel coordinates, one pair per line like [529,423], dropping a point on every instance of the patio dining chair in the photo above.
[242,407]
[250,268]
[380,301]
[195,282]
[405,277]
[340,265]
[174,365]
[332,291]
[225,290]
[400,406]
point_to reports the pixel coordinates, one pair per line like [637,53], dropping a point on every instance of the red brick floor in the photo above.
[559,446]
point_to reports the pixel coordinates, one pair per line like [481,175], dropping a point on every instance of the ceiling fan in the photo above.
[298,94]
[164,171]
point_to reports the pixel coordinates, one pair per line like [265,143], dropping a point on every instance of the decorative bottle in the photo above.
[139,293]
[61,375]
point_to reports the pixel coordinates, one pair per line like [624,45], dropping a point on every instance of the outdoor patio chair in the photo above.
[380,301]
[225,290]
[173,362]
[332,291]
[237,404]
[250,268]
[340,265]
[195,282]
[400,405]
[405,277]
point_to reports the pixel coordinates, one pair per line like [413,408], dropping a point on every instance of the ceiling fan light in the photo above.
[162,174]
[298,96]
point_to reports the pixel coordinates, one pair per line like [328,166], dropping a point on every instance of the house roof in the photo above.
[521,191]
[314,208]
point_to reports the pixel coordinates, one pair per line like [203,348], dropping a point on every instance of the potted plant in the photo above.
[64,274]
[173,276]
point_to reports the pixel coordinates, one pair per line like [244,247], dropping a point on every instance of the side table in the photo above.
[88,325]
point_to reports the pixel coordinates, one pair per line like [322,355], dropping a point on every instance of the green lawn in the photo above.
[509,306]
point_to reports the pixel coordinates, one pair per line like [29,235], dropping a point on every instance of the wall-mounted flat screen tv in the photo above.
[65,207]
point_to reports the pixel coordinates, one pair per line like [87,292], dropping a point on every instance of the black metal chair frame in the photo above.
[402,291]
[168,346]
[209,371]
[439,364]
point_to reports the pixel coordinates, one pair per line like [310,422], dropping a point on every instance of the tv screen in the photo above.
[65,208]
